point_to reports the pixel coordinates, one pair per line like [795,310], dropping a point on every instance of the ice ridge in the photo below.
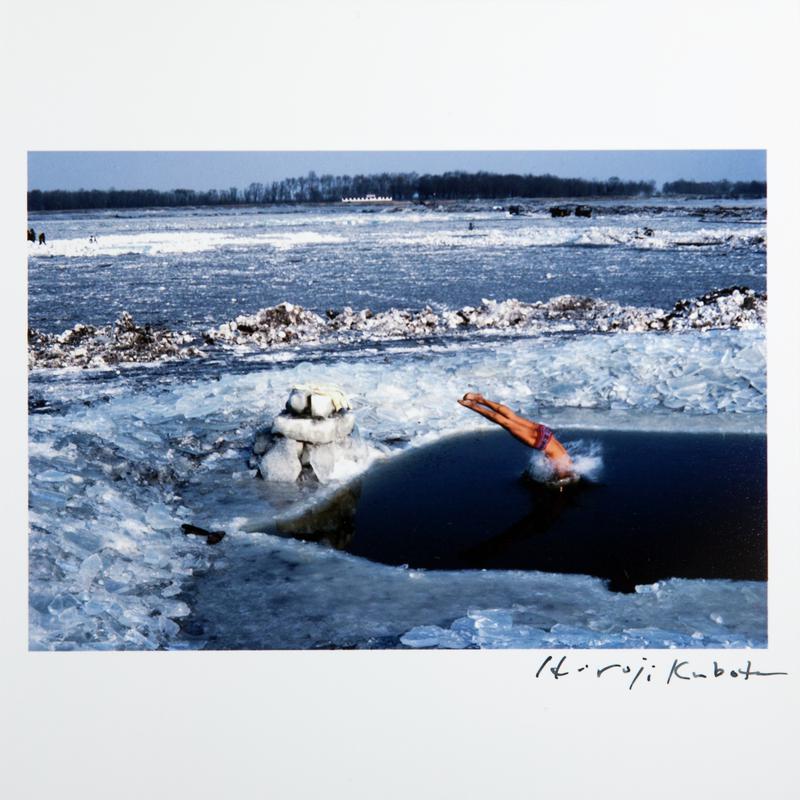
[734,307]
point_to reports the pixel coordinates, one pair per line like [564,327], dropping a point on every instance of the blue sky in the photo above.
[220,170]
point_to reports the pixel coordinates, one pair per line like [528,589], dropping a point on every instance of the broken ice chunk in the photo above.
[315,431]
[340,461]
[323,461]
[88,570]
[434,636]
[321,406]
[282,462]
[298,401]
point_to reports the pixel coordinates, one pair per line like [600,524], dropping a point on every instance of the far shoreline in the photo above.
[396,204]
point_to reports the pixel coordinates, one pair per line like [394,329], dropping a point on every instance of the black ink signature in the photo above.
[645,670]
[680,670]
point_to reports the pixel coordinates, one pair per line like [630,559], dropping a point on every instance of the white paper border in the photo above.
[440,75]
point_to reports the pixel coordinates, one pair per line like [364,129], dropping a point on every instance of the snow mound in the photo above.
[735,307]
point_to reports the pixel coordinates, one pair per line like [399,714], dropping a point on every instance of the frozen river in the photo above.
[122,453]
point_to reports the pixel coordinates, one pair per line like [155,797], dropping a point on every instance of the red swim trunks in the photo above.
[543,437]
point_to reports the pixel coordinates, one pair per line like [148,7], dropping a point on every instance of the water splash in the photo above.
[587,462]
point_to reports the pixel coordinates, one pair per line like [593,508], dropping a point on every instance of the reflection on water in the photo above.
[548,504]
[331,522]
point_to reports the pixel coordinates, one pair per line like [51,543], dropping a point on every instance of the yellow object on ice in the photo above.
[334,394]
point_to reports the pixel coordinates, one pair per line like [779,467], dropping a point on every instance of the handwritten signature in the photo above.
[645,671]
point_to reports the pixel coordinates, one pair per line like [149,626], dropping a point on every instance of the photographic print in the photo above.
[397,400]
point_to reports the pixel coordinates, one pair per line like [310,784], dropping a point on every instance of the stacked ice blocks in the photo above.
[313,431]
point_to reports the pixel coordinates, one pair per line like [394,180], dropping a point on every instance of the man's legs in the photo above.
[505,411]
[475,401]
[519,427]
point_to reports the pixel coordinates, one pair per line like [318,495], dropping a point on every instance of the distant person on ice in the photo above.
[42,240]
[533,434]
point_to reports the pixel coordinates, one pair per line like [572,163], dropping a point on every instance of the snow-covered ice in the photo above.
[114,475]
[355,602]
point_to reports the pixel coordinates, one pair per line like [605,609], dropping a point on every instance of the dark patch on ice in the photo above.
[212,537]
[372,643]
[38,405]
[734,306]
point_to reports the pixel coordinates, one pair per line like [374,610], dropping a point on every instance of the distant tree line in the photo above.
[724,189]
[314,188]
